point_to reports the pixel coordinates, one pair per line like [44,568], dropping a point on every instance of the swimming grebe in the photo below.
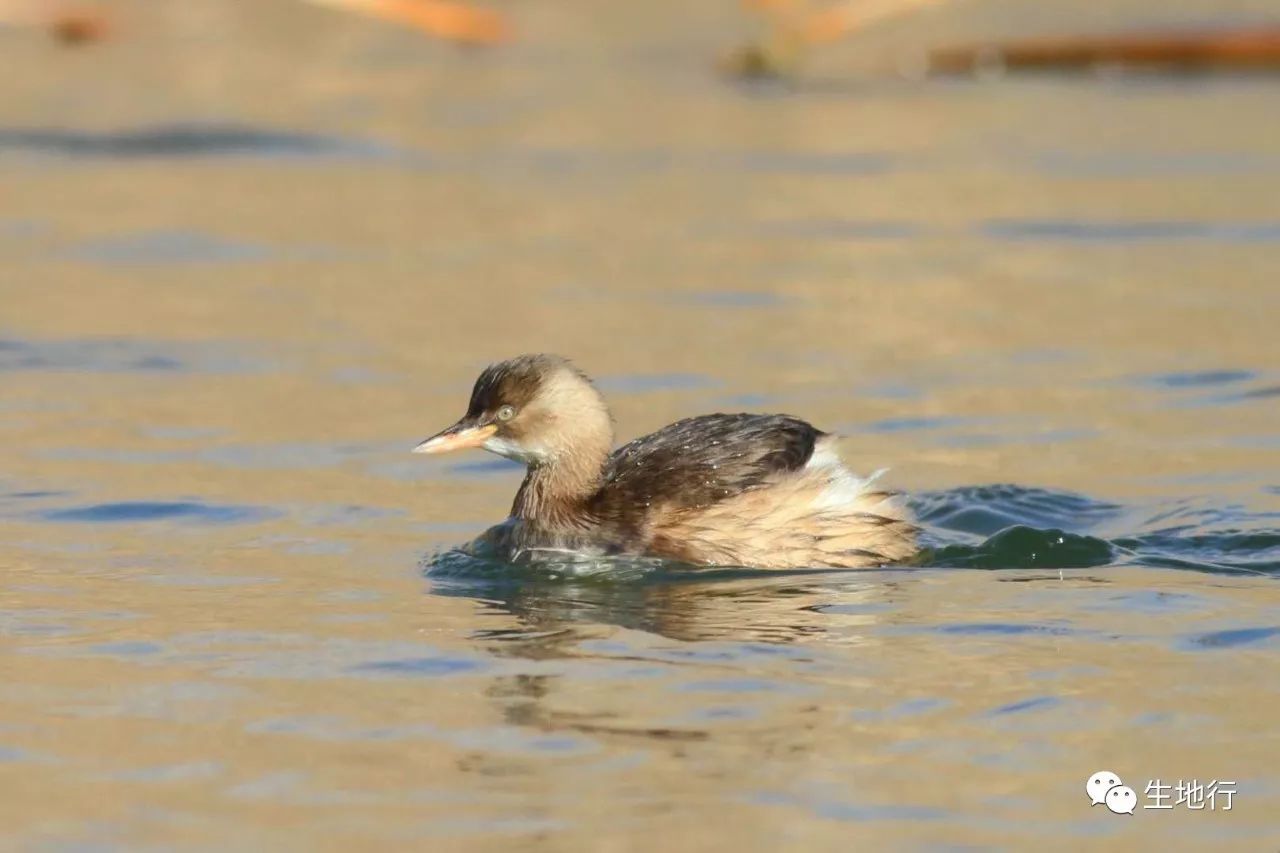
[765,491]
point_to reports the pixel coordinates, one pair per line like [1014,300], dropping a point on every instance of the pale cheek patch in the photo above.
[517,452]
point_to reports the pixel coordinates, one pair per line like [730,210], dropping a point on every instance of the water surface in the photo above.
[235,297]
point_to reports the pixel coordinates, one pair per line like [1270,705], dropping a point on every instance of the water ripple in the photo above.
[976,527]
[190,140]
[1234,637]
[133,512]
[120,355]
[1122,232]
[165,247]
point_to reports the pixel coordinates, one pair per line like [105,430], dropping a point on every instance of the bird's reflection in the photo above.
[699,623]
[552,608]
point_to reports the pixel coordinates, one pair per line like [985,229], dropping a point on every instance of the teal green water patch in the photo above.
[1021,546]
[1213,539]
[980,511]
[1015,526]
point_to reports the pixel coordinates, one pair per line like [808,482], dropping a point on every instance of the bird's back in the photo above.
[702,460]
[744,489]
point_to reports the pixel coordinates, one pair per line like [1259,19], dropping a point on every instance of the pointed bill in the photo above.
[460,436]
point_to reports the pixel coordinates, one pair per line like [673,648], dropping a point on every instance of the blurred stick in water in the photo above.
[795,26]
[1249,49]
[67,25]
[441,18]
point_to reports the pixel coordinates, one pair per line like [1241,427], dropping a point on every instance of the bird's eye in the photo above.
[506,413]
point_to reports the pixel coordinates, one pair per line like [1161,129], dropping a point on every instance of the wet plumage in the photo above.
[723,489]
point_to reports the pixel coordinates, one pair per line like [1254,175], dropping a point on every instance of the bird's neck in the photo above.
[556,493]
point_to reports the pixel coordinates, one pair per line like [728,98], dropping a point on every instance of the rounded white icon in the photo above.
[1098,785]
[1122,800]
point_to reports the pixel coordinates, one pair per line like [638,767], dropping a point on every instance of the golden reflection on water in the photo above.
[270,670]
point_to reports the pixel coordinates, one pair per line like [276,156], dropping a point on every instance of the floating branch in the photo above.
[67,25]
[795,26]
[1228,50]
[441,18]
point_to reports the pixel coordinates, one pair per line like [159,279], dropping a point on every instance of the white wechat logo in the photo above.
[1122,800]
[1098,785]
[1105,787]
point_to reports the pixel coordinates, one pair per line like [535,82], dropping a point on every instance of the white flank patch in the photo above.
[843,488]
